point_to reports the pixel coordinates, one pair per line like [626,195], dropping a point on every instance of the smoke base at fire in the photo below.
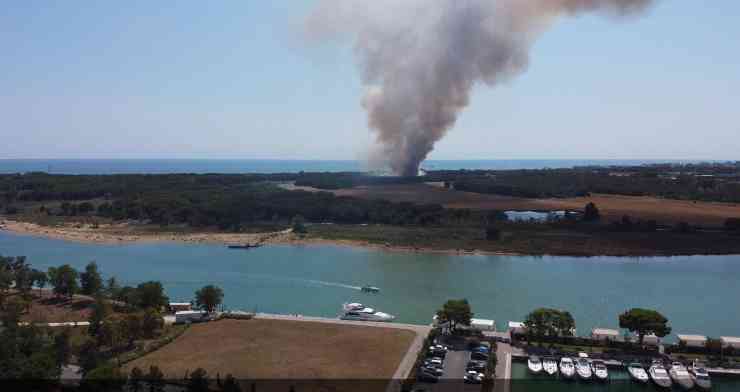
[420,59]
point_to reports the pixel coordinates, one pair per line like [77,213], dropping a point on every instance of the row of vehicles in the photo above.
[587,369]
[433,366]
[475,370]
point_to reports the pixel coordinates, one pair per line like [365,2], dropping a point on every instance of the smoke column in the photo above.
[421,58]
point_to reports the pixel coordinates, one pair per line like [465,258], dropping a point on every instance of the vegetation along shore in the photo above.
[620,211]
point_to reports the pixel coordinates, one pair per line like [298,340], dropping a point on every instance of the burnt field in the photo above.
[612,207]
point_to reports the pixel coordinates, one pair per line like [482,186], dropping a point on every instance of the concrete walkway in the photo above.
[408,361]
[503,367]
[65,324]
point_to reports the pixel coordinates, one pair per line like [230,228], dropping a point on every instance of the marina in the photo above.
[621,377]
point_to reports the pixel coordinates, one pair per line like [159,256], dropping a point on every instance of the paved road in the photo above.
[503,367]
[455,363]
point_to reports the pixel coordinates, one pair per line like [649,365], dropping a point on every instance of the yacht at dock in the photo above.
[358,312]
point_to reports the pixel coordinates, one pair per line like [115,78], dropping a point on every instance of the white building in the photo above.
[649,340]
[730,341]
[693,340]
[517,328]
[483,324]
[604,334]
[189,316]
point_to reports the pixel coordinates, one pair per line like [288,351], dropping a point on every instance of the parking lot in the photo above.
[454,366]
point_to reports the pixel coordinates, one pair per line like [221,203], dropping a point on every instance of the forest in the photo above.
[224,201]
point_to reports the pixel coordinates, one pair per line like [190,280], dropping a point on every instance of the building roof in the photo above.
[729,339]
[694,338]
[604,332]
[477,321]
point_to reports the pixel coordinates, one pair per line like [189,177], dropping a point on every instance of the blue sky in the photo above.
[235,79]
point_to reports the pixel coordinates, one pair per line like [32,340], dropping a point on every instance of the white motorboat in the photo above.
[583,369]
[550,366]
[659,375]
[681,376]
[700,375]
[567,368]
[599,370]
[638,373]
[359,312]
[534,364]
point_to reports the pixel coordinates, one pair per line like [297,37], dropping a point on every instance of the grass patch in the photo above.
[282,349]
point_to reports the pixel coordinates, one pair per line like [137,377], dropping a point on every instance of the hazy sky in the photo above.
[236,79]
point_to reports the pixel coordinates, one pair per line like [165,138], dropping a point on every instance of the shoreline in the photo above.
[106,234]
[85,234]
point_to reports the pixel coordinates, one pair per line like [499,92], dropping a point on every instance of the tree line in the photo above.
[545,323]
[120,316]
[560,183]
[227,202]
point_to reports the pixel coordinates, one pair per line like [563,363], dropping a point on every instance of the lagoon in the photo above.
[696,293]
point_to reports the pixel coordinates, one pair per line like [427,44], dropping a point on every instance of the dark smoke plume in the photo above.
[421,58]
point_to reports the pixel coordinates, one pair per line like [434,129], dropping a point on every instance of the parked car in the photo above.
[479,356]
[423,376]
[436,361]
[473,377]
[429,363]
[438,353]
[481,349]
[433,370]
[476,365]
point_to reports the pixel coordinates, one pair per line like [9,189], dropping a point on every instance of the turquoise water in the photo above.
[523,381]
[696,293]
[118,166]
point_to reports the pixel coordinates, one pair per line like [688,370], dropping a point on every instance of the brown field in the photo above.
[46,308]
[612,207]
[282,349]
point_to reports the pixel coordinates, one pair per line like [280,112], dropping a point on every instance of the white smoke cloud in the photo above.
[421,58]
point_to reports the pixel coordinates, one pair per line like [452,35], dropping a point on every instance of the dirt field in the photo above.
[45,308]
[281,349]
[612,207]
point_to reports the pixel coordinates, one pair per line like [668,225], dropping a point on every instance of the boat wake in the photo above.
[272,277]
[332,284]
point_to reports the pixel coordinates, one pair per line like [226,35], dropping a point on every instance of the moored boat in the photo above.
[599,370]
[583,369]
[659,375]
[567,368]
[358,312]
[550,366]
[638,373]
[681,376]
[245,246]
[534,364]
[700,375]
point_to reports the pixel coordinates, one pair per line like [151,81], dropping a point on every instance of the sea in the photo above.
[160,166]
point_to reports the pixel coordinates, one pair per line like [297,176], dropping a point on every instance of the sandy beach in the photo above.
[122,233]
